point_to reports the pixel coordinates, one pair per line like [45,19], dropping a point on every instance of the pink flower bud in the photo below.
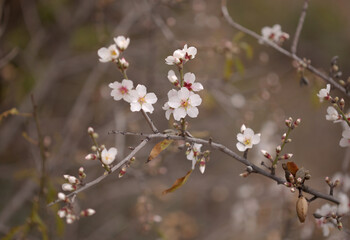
[90,156]
[68,187]
[72,180]
[266,154]
[297,122]
[61,196]
[90,130]
[244,174]
[278,149]
[122,172]
[292,190]
[202,165]
[87,212]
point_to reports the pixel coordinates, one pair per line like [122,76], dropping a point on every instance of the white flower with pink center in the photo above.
[184,103]
[247,138]
[326,222]
[169,110]
[140,99]
[190,84]
[121,90]
[193,155]
[122,42]
[108,156]
[190,52]
[345,141]
[274,34]
[323,94]
[176,58]
[109,54]
[332,114]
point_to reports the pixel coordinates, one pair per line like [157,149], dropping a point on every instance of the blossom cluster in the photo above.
[274,34]
[335,113]
[138,98]
[182,101]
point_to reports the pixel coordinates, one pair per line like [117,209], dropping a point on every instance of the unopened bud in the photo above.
[94,148]
[68,187]
[284,136]
[292,190]
[297,122]
[336,183]
[266,154]
[132,159]
[288,123]
[123,63]
[328,180]
[339,225]
[87,212]
[90,157]
[72,180]
[102,146]
[90,130]
[95,135]
[299,180]
[244,174]
[342,82]
[291,178]
[278,149]
[342,103]
[288,184]
[288,140]
[286,156]
[61,196]
[122,172]
[202,165]
[249,169]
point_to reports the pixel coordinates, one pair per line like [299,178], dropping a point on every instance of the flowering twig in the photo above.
[280,49]
[214,145]
[299,27]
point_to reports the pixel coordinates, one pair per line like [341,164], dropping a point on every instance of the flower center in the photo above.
[247,141]
[188,86]
[142,100]
[113,52]
[272,35]
[123,90]
[184,103]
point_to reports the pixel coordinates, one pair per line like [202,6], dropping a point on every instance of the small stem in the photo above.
[41,147]
[181,71]
[149,121]
[299,27]
[278,154]
[245,154]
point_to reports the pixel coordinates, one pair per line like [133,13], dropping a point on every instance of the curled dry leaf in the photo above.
[178,183]
[158,148]
[302,207]
[292,168]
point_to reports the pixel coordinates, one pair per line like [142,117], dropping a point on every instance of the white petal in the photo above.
[113,151]
[240,137]
[172,93]
[151,98]
[116,95]
[192,111]
[346,133]
[197,87]
[194,161]
[174,102]
[184,93]
[135,106]
[134,96]
[141,90]
[190,156]
[256,139]
[248,133]
[241,147]
[344,142]
[171,76]
[147,107]
[114,85]
[128,84]
[189,77]
[103,53]
[179,113]
[195,100]
[167,113]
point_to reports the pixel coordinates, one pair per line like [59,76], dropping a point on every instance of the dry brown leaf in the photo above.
[158,148]
[292,168]
[178,183]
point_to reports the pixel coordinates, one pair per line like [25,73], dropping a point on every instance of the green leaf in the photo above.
[247,48]
[228,70]
[10,235]
[239,66]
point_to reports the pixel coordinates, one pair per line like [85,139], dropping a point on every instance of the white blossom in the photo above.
[121,90]
[345,140]
[326,223]
[140,99]
[184,103]
[122,42]
[274,34]
[190,52]
[181,55]
[173,78]
[108,156]
[61,213]
[108,54]
[247,138]
[189,83]
[332,114]
[344,181]
[193,154]
[343,207]
[323,94]
[67,187]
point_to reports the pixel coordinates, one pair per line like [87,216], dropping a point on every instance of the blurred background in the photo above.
[49,49]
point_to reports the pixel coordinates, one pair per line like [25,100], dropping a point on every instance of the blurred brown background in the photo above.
[49,48]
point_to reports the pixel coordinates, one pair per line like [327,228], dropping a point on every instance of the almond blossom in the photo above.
[326,222]
[121,90]
[140,99]
[193,154]
[190,52]
[247,138]
[323,94]
[332,114]
[184,103]
[122,42]
[189,83]
[345,140]
[274,34]
[109,54]
[108,156]
[181,55]
[173,78]
[169,110]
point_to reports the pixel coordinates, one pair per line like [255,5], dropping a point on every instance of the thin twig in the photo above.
[214,145]
[150,122]
[299,27]
[100,178]
[280,49]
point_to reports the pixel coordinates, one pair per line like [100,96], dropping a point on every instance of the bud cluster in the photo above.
[73,183]
[195,155]
[295,176]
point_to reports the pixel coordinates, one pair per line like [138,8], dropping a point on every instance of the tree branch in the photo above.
[210,143]
[299,27]
[280,49]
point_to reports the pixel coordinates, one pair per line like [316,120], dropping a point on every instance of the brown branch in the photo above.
[299,27]
[210,143]
[150,122]
[100,178]
[280,49]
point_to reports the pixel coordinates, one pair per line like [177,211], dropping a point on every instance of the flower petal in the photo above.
[151,98]
[141,90]
[179,113]
[192,111]
[135,106]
